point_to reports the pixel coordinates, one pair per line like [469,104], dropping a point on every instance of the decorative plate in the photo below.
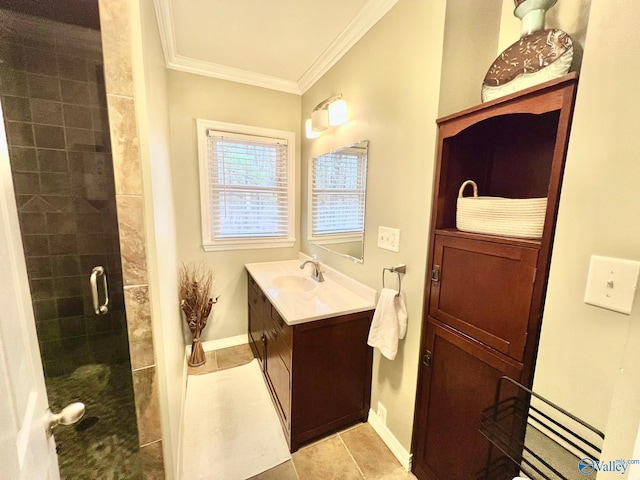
[535,58]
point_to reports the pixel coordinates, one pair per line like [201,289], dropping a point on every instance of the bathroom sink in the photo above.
[298,298]
[294,283]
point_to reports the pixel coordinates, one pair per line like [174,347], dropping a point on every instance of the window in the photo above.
[338,188]
[246,186]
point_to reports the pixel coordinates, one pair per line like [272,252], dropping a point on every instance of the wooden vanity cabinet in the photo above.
[485,293]
[257,305]
[318,373]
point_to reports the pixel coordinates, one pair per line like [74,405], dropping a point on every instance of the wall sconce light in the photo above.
[330,112]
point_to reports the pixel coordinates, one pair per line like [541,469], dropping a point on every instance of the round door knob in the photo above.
[68,416]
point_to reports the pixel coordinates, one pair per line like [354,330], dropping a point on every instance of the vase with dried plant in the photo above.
[196,283]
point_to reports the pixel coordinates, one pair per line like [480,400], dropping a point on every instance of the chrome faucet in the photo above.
[317,274]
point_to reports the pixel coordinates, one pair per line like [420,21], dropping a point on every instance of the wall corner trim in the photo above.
[403,456]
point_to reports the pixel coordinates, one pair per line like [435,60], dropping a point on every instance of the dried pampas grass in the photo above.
[196,284]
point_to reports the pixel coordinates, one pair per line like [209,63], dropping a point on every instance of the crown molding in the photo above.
[354,31]
[191,65]
[165,28]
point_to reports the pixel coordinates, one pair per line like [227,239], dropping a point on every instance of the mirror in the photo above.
[337,195]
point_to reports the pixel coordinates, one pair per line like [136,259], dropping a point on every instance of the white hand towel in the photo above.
[389,323]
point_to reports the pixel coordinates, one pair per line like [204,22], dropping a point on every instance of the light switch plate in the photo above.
[611,283]
[389,238]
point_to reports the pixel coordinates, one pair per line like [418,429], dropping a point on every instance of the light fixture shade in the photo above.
[337,112]
[319,120]
[309,131]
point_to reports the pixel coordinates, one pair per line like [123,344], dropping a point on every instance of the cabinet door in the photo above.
[257,301]
[331,374]
[278,373]
[457,386]
[484,290]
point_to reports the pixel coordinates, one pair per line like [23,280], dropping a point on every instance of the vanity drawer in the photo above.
[253,286]
[278,345]
[278,375]
[281,325]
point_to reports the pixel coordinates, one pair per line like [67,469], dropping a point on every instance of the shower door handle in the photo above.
[95,273]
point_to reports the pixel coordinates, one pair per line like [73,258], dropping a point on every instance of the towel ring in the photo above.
[398,269]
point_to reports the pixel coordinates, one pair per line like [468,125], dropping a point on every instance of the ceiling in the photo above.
[284,45]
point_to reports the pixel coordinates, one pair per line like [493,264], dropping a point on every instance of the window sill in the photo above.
[244,245]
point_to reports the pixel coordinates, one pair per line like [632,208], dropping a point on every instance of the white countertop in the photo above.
[337,295]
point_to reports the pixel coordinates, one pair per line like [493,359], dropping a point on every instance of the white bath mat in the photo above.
[231,430]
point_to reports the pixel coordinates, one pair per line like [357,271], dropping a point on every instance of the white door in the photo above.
[26,451]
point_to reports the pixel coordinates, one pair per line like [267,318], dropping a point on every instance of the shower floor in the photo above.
[104,444]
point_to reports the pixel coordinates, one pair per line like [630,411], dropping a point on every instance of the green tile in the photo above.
[16,108]
[52,160]
[39,267]
[19,134]
[35,245]
[76,93]
[49,136]
[61,223]
[26,183]
[54,183]
[23,159]
[47,112]
[13,82]
[62,244]
[41,289]
[41,86]
[77,116]
[72,68]
[32,223]
[45,310]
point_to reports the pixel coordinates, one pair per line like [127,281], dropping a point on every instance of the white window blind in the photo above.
[248,192]
[338,193]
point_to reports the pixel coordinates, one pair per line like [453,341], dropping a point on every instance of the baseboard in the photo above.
[211,345]
[183,400]
[390,440]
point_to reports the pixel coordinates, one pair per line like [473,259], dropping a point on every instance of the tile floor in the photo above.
[355,453]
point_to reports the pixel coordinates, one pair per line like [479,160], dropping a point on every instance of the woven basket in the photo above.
[508,217]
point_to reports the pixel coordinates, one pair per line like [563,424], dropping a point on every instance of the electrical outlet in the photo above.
[389,238]
[382,413]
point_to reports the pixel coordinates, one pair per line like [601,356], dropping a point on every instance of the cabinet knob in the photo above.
[274,333]
[426,359]
[435,275]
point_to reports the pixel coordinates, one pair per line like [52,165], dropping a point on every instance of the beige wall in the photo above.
[588,360]
[470,43]
[194,96]
[390,80]
[153,114]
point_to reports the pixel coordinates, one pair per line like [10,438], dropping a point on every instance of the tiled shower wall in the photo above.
[30,136]
[55,113]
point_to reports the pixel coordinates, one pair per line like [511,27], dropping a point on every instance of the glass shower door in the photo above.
[54,104]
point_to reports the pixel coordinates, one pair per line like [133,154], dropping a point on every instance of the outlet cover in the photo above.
[389,238]
[611,283]
[382,413]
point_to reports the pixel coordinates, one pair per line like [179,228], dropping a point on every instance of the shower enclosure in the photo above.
[54,109]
